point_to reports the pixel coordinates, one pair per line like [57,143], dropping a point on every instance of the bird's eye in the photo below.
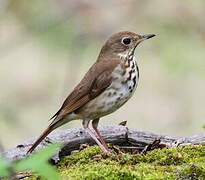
[126,41]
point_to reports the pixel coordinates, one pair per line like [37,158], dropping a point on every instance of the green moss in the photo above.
[186,162]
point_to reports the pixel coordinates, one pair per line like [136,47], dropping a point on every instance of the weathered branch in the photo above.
[118,135]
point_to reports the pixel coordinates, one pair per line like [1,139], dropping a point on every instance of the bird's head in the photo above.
[124,43]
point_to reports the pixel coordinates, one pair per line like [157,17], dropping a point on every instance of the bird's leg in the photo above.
[95,125]
[89,131]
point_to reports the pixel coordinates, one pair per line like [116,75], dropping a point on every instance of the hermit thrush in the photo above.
[107,85]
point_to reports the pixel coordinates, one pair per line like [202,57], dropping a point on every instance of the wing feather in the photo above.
[97,79]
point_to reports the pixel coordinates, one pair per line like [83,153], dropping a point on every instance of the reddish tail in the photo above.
[42,136]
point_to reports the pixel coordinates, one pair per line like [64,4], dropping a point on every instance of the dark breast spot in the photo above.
[118,98]
[20,146]
[130,75]
[134,81]
[137,72]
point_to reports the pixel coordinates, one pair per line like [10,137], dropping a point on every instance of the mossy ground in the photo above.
[186,162]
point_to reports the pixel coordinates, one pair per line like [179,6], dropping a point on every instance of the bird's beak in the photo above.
[147,36]
[141,38]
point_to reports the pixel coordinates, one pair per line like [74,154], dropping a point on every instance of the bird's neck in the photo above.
[106,55]
[126,55]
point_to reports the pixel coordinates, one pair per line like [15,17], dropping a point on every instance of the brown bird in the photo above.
[107,85]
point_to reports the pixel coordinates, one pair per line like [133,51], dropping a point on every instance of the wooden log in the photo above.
[72,139]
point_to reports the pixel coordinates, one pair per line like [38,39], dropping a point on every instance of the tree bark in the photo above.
[72,139]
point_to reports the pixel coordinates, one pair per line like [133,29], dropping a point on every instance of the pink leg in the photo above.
[95,125]
[89,131]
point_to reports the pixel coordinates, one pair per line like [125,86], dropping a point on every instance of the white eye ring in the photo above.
[126,41]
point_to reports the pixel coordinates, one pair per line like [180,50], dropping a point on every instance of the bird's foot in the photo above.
[117,149]
[107,153]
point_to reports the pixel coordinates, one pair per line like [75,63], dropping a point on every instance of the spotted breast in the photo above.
[125,78]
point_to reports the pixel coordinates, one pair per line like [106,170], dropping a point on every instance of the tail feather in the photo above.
[41,137]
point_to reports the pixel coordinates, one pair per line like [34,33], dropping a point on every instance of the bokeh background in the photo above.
[47,46]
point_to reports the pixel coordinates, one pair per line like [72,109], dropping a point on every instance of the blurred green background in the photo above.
[47,46]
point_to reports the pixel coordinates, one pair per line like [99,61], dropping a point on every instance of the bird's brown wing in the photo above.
[94,83]
[96,80]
